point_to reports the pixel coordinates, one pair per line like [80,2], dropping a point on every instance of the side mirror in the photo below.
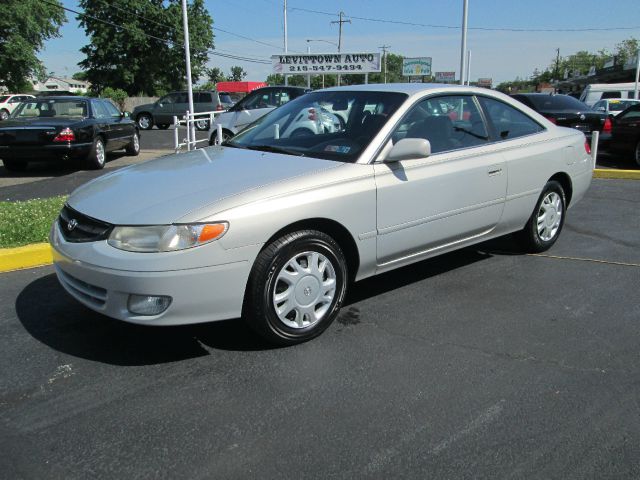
[125,114]
[409,148]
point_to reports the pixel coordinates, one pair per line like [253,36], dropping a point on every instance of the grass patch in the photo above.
[22,223]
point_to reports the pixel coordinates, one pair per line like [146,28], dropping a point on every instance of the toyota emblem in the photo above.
[73,223]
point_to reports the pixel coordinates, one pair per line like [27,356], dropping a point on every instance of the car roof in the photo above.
[411,88]
[67,97]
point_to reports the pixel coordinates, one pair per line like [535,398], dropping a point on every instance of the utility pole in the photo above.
[384,59]
[286,79]
[463,47]
[557,73]
[340,22]
[191,130]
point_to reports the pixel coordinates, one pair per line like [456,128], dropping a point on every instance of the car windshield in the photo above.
[334,125]
[557,102]
[51,107]
[619,105]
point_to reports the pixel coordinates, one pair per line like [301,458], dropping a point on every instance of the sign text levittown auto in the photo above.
[326,62]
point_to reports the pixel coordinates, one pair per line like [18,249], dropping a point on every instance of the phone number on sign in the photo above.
[324,68]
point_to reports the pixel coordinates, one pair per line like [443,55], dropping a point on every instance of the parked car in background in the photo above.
[614,106]
[161,112]
[273,229]
[566,111]
[66,128]
[625,133]
[256,104]
[8,103]
[601,91]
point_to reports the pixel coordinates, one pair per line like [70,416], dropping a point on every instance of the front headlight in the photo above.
[165,238]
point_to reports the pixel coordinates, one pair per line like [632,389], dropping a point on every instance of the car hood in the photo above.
[164,190]
[146,107]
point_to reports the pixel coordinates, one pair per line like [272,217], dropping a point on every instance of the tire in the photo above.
[163,126]
[133,149]
[225,136]
[546,221]
[98,155]
[145,121]
[15,165]
[283,278]
[636,154]
[4,114]
[202,125]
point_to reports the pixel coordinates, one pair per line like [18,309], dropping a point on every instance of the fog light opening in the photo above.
[148,304]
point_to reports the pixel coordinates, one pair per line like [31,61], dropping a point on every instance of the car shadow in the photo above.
[54,168]
[617,161]
[52,317]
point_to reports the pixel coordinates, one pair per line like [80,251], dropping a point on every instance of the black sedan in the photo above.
[49,128]
[567,111]
[625,134]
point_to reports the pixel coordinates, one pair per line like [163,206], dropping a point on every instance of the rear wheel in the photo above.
[97,157]
[15,165]
[202,125]
[145,121]
[296,288]
[4,114]
[546,221]
[133,149]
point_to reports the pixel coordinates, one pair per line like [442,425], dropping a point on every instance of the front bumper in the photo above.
[201,294]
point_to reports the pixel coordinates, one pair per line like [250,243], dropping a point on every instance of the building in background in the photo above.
[61,85]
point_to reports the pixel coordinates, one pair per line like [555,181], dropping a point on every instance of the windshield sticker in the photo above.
[337,148]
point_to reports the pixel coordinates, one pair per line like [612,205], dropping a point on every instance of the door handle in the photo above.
[494,171]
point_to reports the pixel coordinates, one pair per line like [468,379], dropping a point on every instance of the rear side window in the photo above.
[508,122]
[202,97]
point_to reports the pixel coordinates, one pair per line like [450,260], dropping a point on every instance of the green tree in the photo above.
[82,76]
[145,54]
[215,75]
[237,74]
[394,70]
[626,50]
[24,27]
[117,95]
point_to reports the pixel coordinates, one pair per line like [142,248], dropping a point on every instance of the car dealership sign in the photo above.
[326,63]
[416,66]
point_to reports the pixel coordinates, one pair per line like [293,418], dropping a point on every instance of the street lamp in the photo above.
[309,40]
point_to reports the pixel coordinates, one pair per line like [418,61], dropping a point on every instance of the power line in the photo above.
[456,27]
[164,40]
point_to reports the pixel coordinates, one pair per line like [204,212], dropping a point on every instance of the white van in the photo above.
[600,91]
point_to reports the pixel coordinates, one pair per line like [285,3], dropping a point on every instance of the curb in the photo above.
[28,256]
[614,173]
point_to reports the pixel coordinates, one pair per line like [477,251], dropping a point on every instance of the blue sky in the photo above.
[501,55]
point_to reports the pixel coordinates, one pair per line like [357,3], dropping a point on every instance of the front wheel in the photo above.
[97,157]
[213,140]
[202,125]
[4,114]
[296,288]
[145,121]
[546,221]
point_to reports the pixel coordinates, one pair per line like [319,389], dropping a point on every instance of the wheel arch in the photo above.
[214,133]
[335,230]
[563,179]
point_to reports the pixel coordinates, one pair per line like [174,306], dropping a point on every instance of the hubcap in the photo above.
[144,121]
[549,216]
[100,152]
[136,143]
[304,290]
[4,115]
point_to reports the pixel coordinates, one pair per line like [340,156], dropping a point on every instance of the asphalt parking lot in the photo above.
[482,363]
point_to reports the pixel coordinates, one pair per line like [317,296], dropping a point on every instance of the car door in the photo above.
[121,127]
[163,111]
[103,123]
[255,105]
[455,194]
[626,129]
[181,105]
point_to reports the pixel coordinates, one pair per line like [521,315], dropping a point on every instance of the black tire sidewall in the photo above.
[131,148]
[264,318]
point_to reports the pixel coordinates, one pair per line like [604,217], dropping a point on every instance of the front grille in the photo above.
[77,227]
[91,294]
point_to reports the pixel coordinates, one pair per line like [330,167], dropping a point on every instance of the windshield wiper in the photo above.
[272,149]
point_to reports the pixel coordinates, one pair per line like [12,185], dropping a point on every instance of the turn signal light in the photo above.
[65,135]
[587,147]
[606,128]
[219,107]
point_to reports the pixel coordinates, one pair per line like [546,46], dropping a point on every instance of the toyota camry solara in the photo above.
[273,225]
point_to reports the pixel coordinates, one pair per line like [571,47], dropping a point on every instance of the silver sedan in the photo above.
[273,228]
